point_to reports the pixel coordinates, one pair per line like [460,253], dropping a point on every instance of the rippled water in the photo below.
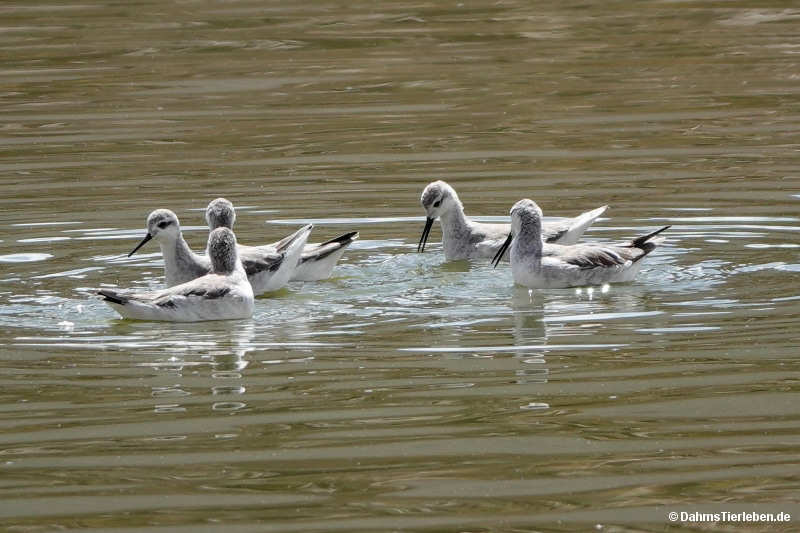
[405,393]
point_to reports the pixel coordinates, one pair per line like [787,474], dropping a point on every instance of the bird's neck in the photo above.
[528,240]
[181,264]
[238,271]
[454,222]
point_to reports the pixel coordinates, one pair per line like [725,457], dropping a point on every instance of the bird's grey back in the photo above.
[482,231]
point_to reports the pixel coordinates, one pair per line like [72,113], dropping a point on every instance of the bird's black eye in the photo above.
[437,203]
[164,224]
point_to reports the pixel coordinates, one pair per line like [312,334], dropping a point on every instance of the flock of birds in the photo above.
[222,284]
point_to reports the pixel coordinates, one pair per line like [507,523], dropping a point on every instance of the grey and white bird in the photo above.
[463,238]
[541,265]
[317,259]
[221,294]
[268,267]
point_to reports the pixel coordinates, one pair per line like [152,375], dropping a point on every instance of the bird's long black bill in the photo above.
[425,232]
[499,255]
[146,238]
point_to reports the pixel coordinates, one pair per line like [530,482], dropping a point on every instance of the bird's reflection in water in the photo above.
[220,346]
[531,331]
[229,366]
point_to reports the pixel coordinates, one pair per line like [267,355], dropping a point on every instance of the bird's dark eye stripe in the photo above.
[164,224]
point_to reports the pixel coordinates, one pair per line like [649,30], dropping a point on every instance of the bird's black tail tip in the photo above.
[113,297]
[347,238]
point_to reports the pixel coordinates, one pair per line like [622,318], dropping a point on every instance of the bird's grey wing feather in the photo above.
[206,288]
[316,252]
[321,251]
[552,231]
[489,247]
[256,260]
[488,232]
[587,256]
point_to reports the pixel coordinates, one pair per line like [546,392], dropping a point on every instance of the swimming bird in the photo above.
[222,294]
[268,267]
[542,265]
[316,261]
[463,238]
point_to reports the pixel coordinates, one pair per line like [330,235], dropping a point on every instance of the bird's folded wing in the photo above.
[489,247]
[596,256]
[552,231]
[320,251]
[257,260]
[201,288]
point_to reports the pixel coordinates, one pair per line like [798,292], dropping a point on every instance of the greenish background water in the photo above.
[405,394]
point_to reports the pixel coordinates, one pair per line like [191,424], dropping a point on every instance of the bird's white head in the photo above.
[439,198]
[220,214]
[526,229]
[163,225]
[526,216]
